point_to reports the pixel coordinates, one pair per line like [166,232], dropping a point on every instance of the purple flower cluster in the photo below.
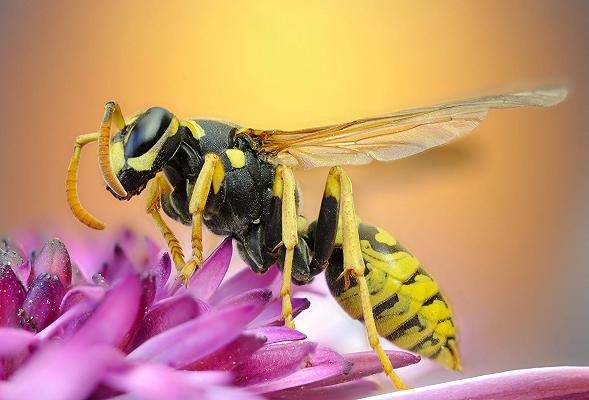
[122,327]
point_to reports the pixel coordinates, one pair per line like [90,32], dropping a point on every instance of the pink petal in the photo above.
[25,273]
[257,296]
[66,371]
[272,315]
[168,314]
[273,362]
[55,260]
[325,363]
[208,278]
[12,295]
[231,355]
[119,266]
[189,342]
[41,306]
[162,272]
[277,334]
[13,341]
[79,294]
[11,253]
[345,391]
[367,363]
[70,319]
[152,381]
[147,295]
[244,281]
[556,383]
[115,315]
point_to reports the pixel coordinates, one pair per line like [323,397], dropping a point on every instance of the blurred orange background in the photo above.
[499,218]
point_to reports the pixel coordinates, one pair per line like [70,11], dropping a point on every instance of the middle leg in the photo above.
[283,217]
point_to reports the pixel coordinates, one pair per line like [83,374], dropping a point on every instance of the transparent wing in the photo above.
[392,136]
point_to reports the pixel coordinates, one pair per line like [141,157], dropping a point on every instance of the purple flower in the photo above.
[118,324]
[555,383]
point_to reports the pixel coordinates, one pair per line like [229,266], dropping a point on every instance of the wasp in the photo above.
[239,182]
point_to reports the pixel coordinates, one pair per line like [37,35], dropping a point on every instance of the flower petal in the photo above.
[56,372]
[25,273]
[69,320]
[115,314]
[325,363]
[208,278]
[167,314]
[231,355]
[162,272]
[152,381]
[257,296]
[272,315]
[13,341]
[119,266]
[367,363]
[277,334]
[344,391]
[244,281]
[197,338]
[55,260]
[273,362]
[12,295]
[147,295]
[41,306]
[79,294]
[557,383]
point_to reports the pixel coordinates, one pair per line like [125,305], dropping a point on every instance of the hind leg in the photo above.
[338,207]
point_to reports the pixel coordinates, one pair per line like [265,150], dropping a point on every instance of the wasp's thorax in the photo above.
[142,148]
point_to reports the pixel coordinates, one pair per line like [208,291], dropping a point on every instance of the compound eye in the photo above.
[147,129]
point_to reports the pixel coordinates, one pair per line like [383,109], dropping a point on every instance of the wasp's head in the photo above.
[128,159]
[140,150]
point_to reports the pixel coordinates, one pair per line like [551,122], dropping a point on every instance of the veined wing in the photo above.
[391,136]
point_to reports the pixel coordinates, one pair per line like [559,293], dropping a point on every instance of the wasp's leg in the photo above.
[282,230]
[156,188]
[212,173]
[339,187]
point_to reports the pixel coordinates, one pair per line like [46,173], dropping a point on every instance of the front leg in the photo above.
[157,187]
[212,173]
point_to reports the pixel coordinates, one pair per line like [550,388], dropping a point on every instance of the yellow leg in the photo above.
[284,188]
[155,188]
[339,183]
[212,173]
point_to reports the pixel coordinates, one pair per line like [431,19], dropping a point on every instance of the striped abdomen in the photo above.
[409,309]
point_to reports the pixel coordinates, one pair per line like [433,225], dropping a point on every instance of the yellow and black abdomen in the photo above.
[408,308]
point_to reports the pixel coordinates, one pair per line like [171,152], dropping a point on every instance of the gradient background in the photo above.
[499,218]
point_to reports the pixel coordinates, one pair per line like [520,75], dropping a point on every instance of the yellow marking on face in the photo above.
[196,130]
[236,158]
[117,156]
[145,161]
[132,119]
[385,237]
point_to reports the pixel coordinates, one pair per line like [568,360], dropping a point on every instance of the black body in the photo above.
[242,207]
